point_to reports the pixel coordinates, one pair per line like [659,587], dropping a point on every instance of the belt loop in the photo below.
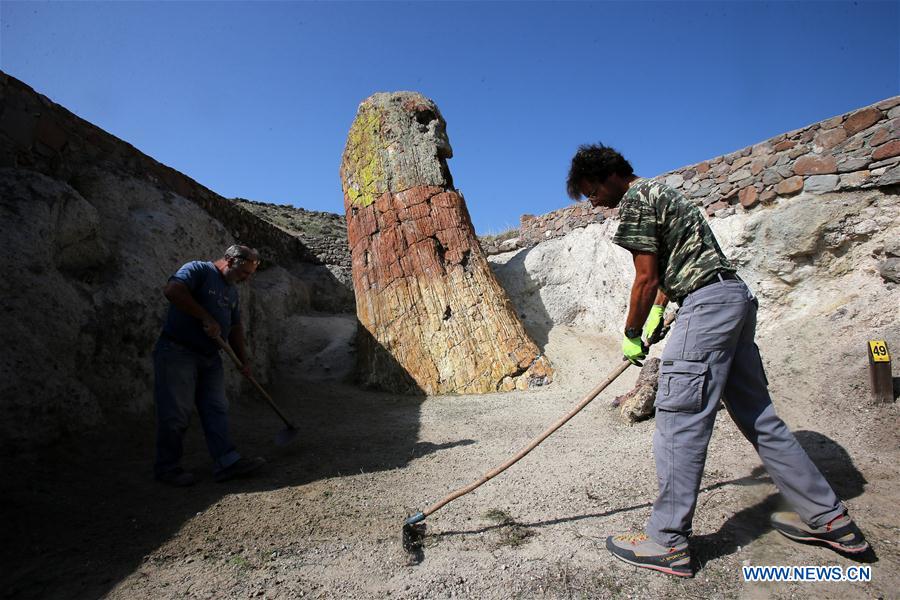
[719,275]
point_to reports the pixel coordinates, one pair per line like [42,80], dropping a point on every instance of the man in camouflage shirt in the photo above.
[710,355]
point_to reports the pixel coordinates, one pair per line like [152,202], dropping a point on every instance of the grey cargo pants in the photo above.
[710,354]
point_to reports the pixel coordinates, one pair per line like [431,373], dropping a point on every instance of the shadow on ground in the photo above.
[82,516]
[751,523]
[747,525]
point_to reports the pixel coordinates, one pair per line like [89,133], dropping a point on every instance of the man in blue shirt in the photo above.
[188,369]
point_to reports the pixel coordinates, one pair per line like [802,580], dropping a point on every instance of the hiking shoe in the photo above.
[640,551]
[177,477]
[241,468]
[841,533]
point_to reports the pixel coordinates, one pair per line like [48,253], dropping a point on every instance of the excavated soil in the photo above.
[323,520]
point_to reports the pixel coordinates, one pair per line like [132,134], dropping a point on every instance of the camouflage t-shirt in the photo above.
[656,218]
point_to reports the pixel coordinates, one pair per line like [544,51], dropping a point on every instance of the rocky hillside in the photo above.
[823,267]
[92,229]
[324,233]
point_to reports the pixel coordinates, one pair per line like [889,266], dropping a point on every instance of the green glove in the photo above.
[634,350]
[653,326]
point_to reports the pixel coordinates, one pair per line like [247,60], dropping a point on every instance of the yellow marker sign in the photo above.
[879,351]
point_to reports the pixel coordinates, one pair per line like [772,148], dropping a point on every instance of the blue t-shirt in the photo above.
[213,293]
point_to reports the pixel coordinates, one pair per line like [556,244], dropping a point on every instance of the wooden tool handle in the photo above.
[237,362]
[543,436]
[531,446]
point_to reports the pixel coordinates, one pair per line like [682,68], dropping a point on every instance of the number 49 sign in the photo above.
[879,351]
[880,371]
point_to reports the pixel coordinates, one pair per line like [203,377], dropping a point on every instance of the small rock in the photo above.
[889,269]
[853,164]
[637,404]
[739,175]
[725,212]
[818,184]
[867,227]
[509,245]
[862,119]
[851,180]
[811,164]
[892,247]
[674,180]
[716,206]
[748,197]
[887,150]
[830,138]
[785,145]
[888,162]
[890,177]
[789,186]
[882,134]
[771,177]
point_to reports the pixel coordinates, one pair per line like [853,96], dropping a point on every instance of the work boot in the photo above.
[841,533]
[241,468]
[177,477]
[640,551]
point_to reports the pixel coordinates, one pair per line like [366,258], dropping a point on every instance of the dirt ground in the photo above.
[323,520]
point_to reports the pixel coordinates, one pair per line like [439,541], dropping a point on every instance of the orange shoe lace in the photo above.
[631,538]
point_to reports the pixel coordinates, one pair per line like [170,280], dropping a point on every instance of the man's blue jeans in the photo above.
[183,378]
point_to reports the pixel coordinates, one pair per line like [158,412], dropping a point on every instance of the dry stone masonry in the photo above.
[855,151]
[432,314]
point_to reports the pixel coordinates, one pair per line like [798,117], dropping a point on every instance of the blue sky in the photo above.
[255,99]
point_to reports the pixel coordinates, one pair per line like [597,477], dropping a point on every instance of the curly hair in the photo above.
[595,162]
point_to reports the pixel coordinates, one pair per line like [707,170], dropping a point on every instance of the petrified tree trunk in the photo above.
[637,404]
[434,316]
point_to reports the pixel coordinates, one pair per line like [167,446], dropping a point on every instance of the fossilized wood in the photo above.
[637,404]
[433,315]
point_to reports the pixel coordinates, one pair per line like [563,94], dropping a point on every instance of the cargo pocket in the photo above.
[681,385]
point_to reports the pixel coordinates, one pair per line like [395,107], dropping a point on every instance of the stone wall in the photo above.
[854,151]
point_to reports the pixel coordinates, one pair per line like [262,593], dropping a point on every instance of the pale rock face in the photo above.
[81,298]
[806,257]
[580,279]
[812,253]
